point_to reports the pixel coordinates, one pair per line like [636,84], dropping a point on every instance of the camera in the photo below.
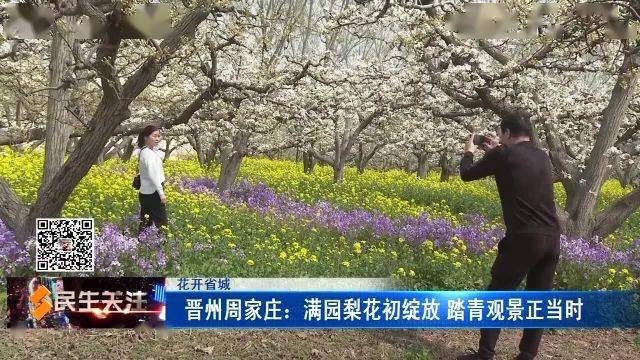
[479,139]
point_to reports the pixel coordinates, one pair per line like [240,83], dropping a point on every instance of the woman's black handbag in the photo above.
[136,182]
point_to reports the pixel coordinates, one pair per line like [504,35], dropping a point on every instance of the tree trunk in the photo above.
[19,148]
[100,158]
[338,173]
[608,221]
[58,128]
[127,150]
[308,161]
[120,149]
[13,210]
[167,148]
[339,163]
[407,167]
[194,141]
[50,203]
[363,158]
[322,162]
[422,166]
[360,156]
[210,155]
[111,147]
[71,145]
[581,206]
[231,164]
[111,111]
[35,145]
[229,171]
[446,166]
[628,175]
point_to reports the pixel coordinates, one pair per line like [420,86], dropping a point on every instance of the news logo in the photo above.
[39,300]
[83,302]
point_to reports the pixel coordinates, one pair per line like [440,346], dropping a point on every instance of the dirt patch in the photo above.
[337,344]
[255,344]
[556,344]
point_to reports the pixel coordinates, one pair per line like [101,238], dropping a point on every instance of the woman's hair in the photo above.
[148,130]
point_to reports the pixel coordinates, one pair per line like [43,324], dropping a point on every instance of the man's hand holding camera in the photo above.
[483,142]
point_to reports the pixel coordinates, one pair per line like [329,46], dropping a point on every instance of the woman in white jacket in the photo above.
[153,200]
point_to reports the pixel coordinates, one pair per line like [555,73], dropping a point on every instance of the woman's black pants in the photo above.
[534,256]
[152,211]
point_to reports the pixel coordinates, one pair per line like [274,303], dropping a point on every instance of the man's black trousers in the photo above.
[534,256]
[152,210]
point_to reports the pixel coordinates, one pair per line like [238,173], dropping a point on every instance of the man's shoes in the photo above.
[471,355]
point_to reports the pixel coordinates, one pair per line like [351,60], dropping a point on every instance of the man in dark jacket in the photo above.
[531,245]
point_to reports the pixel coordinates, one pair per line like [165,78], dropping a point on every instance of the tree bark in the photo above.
[627,176]
[194,141]
[19,148]
[407,166]
[339,164]
[36,145]
[423,167]
[363,158]
[13,210]
[210,155]
[338,173]
[170,149]
[231,164]
[111,147]
[121,149]
[360,163]
[127,150]
[308,161]
[71,145]
[446,166]
[608,221]
[581,206]
[58,128]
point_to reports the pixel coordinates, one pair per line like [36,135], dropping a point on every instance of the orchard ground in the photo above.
[255,344]
[304,344]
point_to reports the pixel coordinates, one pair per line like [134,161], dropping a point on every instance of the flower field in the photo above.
[279,221]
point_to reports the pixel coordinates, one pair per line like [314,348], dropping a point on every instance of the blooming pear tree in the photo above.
[111,111]
[547,79]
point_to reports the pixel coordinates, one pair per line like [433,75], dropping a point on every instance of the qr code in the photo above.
[64,245]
